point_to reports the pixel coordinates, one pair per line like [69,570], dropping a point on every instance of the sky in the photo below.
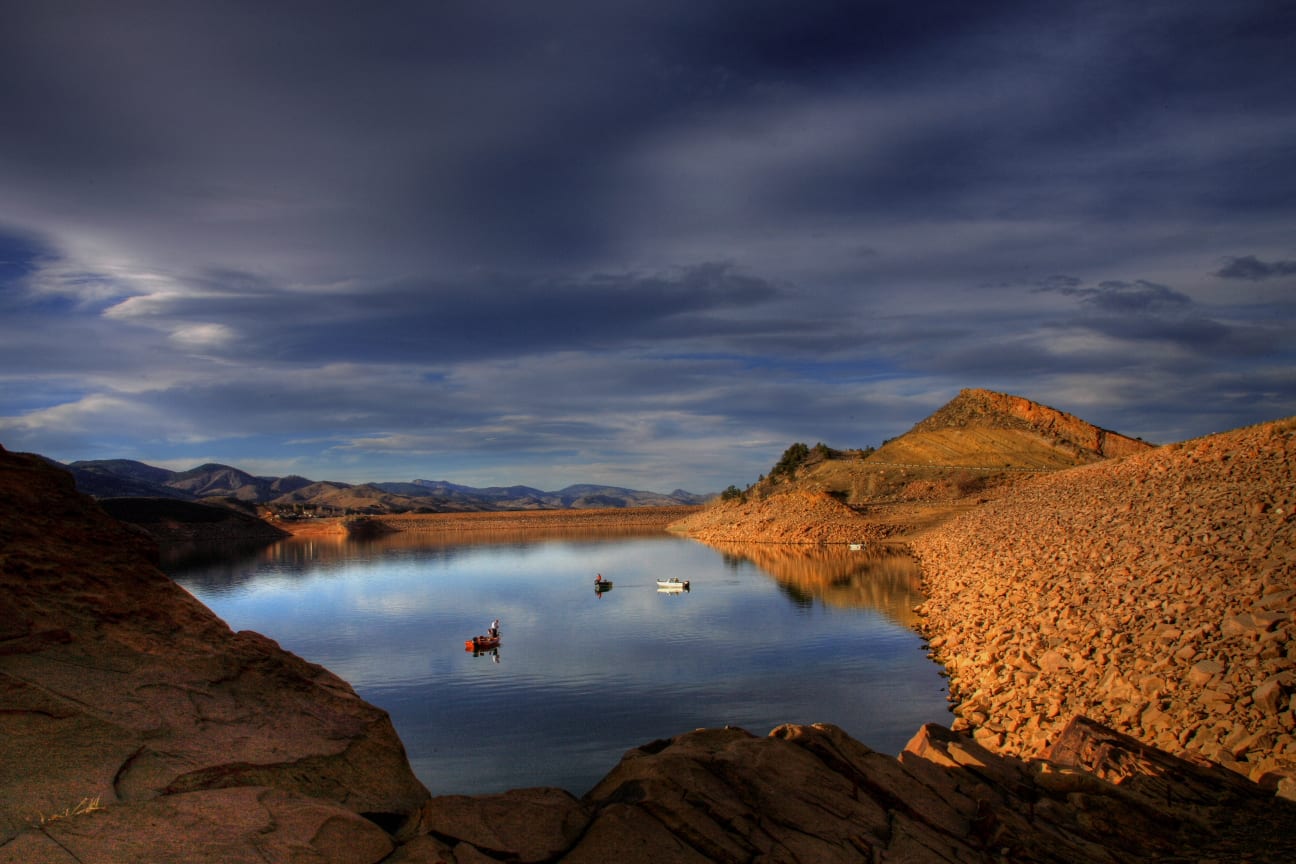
[648,243]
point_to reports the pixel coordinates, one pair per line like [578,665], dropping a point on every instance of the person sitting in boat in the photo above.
[494,628]
[598,577]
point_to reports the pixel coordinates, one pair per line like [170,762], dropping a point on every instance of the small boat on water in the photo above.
[673,584]
[605,585]
[482,643]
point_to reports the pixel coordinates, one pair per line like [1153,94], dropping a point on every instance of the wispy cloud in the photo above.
[501,243]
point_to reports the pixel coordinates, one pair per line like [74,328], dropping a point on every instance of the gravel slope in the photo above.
[1153,593]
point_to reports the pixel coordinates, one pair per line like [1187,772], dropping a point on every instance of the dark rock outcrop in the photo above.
[134,719]
[171,521]
[812,793]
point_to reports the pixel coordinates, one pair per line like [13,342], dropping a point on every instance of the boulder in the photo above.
[812,793]
[121,689]
[245,825]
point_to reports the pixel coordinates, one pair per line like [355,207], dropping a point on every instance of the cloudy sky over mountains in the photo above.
[641,243]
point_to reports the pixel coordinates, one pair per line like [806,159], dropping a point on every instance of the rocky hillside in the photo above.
[170,520]
[1033,435]
[979,440]
[977,443]
[794,516]
[1155,593]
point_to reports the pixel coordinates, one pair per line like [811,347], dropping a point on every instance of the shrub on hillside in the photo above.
[733,493]
[793,457]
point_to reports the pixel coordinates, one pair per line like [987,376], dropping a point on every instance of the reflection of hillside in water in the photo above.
[217,568]
[838,576]
[425,538]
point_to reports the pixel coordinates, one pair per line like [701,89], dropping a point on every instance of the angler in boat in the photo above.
[487,642]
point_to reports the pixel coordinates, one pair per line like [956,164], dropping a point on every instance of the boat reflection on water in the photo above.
[493,653]
[890,582]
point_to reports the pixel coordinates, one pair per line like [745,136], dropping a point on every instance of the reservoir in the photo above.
[764,635]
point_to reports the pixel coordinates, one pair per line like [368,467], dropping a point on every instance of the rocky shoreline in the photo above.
[791,517]
[1152,593]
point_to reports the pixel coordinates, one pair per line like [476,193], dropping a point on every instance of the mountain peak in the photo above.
[982,428]
[977,408]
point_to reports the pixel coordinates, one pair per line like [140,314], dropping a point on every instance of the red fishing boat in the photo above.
[482,643]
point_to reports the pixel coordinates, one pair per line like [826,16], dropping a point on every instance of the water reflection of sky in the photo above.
[581,678]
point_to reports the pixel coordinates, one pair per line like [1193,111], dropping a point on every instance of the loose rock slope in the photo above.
[791,517]
[1152,593]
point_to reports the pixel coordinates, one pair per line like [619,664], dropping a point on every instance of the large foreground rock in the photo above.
[121,693]
[813,794]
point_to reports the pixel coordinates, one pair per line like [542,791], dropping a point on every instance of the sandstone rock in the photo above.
[224,826]
[1052,662]
[1271,694]
[528,824]
[119,686]
[1204,672]
[811,793]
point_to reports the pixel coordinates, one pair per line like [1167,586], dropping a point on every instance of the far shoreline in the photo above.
[612,518]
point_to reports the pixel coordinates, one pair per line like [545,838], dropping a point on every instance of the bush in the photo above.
[793,458]
[822,451]
[733,493]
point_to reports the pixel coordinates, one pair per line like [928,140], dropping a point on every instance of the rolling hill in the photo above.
[122,478]
[977,442]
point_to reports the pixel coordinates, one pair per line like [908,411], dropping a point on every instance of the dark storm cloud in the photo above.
[1115,296]
[480,316]
[1143,311]
[1252,269]
[634,228]
[1087,110]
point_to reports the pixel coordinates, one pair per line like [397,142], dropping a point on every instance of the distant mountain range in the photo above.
[123,478]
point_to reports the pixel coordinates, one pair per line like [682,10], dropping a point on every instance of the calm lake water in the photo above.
[765,635]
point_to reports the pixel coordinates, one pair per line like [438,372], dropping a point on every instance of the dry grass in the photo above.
[86,805]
